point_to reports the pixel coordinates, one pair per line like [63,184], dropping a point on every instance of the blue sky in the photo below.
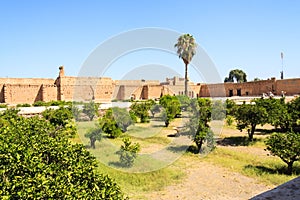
[37,37]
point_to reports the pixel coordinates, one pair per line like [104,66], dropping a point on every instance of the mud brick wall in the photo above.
[289,86]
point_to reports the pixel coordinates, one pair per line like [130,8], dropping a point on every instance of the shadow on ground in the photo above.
[118,165]
[259,169]
[178,149]
[237,141]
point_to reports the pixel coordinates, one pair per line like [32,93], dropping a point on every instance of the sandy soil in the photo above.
[207,181]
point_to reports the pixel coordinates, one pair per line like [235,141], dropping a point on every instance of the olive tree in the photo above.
[122,117]
[94,134]
[90,109]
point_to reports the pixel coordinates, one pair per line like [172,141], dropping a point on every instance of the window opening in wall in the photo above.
[239,92]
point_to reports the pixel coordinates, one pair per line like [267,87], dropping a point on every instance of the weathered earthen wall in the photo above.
[30,90]
[27,81]
[212,90]
[256,88]
[289,86]
[85,89]
[15,94]
[2,100]
[126,89]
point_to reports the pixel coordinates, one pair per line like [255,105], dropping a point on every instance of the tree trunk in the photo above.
[251,132]
[290,168]
[93,143]
[199,145]
[167,123]
[186,78]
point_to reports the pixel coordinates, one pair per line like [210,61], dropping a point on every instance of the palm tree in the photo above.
[186,49]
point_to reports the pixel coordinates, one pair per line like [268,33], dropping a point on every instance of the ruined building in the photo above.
[104,89]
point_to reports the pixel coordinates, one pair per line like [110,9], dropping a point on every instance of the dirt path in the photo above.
[207,181]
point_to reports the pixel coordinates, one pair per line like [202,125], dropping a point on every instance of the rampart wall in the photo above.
[85,89]
[127,89]
[289,86]
[30,90]
[254,88]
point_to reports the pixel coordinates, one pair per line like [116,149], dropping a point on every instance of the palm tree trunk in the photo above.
[186,79]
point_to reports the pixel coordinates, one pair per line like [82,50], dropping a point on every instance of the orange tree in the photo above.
[37,161]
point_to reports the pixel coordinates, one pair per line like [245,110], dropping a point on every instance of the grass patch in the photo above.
[135,184]
[268,170]
[147,135]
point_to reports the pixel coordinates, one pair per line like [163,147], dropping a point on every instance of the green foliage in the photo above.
[122,117]
[237,74]
[248,116]
[62,119]
[94,134]
[128,152]
[294,109]
[218,110]
[52,103]
[3,106]
[60,103]
[286,146]
[76,112]
[186,49]
[109,125]
[58,117]
[230,107]
[257,79]
[23,105]
[7,116]
[40,103]
[133,116]
[37,164]
[229,120]
[171,107]
[184,101]
[141,110]
[279,113]
[198,124]
[90,109]
[156,108]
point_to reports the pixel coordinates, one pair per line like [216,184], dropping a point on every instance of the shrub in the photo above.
[285,146]
[40,165]
[23,105]
[3,106]
[128,152]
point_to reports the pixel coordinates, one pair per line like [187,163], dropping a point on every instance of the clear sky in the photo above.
[36,37]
